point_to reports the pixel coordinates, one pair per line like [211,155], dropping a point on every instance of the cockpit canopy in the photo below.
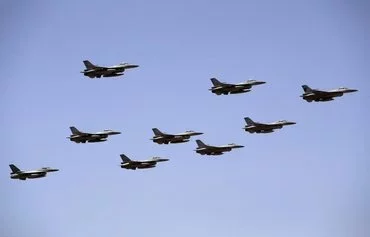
[282,121]
[108,130]
[189,131]
[343,88]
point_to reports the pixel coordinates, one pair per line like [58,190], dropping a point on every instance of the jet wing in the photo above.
[84,134]
[319,92]
[33,172]
[226,85]
[168,135]
[95,139]
[101,68]
[143,162]
[135,162]
[89,134]
[216,148]
[111,71]
[148,162]
[266,126]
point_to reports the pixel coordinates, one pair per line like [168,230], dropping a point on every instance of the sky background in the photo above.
[310,179]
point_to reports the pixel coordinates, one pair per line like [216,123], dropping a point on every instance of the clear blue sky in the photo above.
[306,180]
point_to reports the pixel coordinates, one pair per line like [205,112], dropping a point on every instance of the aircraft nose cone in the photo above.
[132,66]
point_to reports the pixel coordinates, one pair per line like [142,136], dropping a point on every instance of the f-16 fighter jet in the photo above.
[256,127]
[204,149]
[318,95]
[83,137]
[219,88]
[164,138]
[93,71]
[32,174]
[134,164]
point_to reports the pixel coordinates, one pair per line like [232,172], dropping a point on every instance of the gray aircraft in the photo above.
[127,163]
[320,96]
[83,137]
[93,71]
[257,127]
[32,174]
[165,138]
[219,88]
[204,149]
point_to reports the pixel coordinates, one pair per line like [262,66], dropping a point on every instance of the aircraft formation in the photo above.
[219,88]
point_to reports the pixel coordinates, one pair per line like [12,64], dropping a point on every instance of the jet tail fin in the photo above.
[88,64]
[306,88]
[200,143]
[216,82]
[14,168]
[157,132]
[249,121]
[74,130]
[125,158]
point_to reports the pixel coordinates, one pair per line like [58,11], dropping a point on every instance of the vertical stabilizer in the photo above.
[157,132]
[306,88]
[74,131]
[200,143]
[249,121]
[216,82]
[124,158]
[89,65]
[14,168]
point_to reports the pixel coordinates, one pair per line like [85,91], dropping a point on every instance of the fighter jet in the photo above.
[127,163]
[83,137]
[204,149]
[165,138]
[256,127]
[219,88]
[320,96]
[93,71]
[32,174]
